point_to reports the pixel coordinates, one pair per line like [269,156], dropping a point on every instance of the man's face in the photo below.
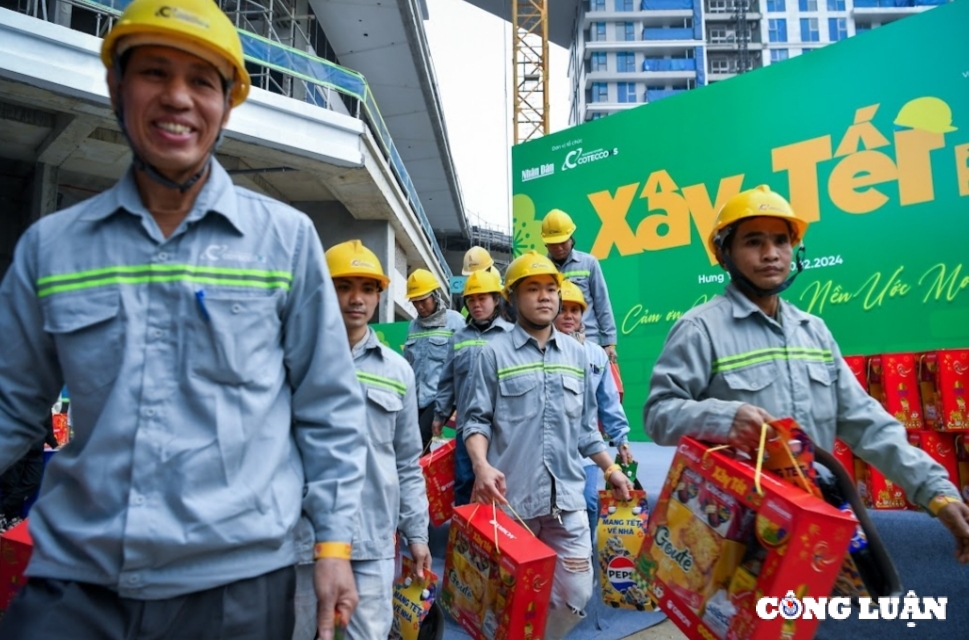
[425,306]
[559,250]
[570,319]
[481,305]
[537,298]
[761,249]
[358,299]
[174,107]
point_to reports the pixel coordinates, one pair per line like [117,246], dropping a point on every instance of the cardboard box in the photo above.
[709,585]
[941,447]
[893,381]
[497,576]
[943,377]
[413,598]
[438,467]
[859,367]
[619,537]
[16,546]
[877,491]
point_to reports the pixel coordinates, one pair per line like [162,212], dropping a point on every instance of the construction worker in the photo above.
[531,418]
[213,395]
[745,357]
[583,269]
[609,411]
[428,338]
[482,291]
[394,495]
[476,259]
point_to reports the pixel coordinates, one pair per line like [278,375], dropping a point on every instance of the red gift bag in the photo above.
[438,467]
[497,576]
[15,548]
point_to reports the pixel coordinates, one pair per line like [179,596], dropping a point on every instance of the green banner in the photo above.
[392,334]
[869,138]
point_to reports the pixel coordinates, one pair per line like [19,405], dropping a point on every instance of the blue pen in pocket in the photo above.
[200,299]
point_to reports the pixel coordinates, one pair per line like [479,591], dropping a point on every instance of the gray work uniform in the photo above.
[394,496]
[212,390]
[426,349]
[454,387]
[583,269]
[537,409]
[727,353]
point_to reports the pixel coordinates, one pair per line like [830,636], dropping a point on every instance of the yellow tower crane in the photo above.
[530,68]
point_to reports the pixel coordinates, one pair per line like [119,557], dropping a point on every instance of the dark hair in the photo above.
[730,231]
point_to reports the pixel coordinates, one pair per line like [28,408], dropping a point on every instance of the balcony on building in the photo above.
[724,65]
[623,10]
[726,10]
[885,11]
[725,38]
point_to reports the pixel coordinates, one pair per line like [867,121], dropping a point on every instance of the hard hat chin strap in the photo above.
[748,286]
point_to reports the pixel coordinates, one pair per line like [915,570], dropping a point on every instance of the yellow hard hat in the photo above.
[483,281]
[928,114]
[557,227]
[197,27]
[572,293]
[755,203]
[420,284]
[353,260]
[475,259]
[528,265]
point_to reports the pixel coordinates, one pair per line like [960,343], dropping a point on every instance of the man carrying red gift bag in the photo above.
[731,364]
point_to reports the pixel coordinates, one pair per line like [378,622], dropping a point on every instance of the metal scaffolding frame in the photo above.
[530,68]
[740,8]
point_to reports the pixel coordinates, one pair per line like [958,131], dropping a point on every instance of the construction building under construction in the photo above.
[344,122]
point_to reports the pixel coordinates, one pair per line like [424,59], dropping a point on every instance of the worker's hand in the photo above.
[489,485]
[745,431]
[437,427]
[621,486]
[336,594]
[955,517]
[625,454]
[611,352]
[421,554]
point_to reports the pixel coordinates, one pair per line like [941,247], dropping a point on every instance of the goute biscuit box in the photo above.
[619,536]
[497,576]
[413,598]
[707,568]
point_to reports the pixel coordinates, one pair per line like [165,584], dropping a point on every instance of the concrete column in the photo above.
[335,224]
[43,191]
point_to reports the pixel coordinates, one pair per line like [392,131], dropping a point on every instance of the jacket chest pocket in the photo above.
[572,397]
[516,401]
[88,332]
[752,385]
[382,409]
[241,341]
[437,347]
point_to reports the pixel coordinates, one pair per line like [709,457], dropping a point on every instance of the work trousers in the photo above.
[259,608]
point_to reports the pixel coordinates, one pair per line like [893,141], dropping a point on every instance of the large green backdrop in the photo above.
[869,138]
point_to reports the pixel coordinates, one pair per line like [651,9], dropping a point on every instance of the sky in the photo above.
[473,68]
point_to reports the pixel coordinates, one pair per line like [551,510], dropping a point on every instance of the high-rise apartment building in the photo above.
[629,52]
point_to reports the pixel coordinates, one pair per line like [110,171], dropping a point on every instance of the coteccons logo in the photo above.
[910,608]
[577,157]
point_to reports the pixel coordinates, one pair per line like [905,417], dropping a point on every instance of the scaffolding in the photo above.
[530,68]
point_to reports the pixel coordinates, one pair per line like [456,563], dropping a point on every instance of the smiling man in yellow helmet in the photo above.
[214,398]
[733,364]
